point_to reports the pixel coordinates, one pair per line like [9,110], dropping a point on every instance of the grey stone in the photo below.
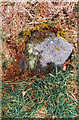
[53,50]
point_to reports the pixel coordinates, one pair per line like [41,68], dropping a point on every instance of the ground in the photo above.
[17,17]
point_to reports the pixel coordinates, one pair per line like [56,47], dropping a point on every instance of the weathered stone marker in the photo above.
[51,52]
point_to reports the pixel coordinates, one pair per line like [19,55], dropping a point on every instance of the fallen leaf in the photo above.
[65,65]
[12,87]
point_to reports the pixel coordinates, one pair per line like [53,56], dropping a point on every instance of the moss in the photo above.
[38,27]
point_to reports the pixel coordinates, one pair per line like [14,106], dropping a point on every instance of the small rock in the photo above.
[53,50]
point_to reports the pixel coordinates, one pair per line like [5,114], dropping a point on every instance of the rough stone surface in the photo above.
[52,51]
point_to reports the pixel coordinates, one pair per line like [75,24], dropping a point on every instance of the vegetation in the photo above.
[50,93]
[25,94]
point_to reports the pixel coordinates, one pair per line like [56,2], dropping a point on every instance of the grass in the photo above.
[50,93]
